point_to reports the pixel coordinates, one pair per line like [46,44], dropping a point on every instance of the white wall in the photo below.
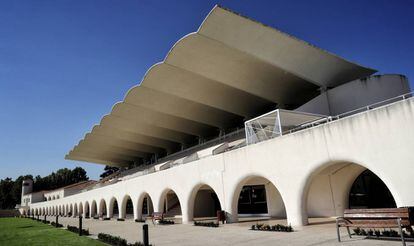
[380,140]
[356,94]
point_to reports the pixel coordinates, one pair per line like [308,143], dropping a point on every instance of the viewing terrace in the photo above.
[274,124]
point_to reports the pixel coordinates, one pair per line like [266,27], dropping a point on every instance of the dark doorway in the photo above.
[129,207]
[115,208]
[252,200]
[368,191]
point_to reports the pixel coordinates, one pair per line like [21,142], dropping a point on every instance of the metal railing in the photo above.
[351,112]
[212,142]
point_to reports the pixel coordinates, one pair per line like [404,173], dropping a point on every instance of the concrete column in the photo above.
[185,211]
[135,207]
[295,208]
[231,213]
[109,209]
[138,209]
[99,208]
[122,209]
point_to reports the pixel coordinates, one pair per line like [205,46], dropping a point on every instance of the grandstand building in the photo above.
[244,118]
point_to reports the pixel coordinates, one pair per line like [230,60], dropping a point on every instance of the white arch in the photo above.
[139,207]
[123,206]
[192,198]
[341,175]
[275,198]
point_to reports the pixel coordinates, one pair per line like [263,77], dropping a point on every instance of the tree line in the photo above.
[10,190]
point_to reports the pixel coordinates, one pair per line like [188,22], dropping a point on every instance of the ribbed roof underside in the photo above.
[230,70]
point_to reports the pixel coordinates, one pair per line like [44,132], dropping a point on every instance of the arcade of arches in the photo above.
[329,190]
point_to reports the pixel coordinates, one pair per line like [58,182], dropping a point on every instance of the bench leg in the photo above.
[349,232]
[337,231]
[401,231]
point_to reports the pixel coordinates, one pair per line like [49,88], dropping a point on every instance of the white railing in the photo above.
[352,112]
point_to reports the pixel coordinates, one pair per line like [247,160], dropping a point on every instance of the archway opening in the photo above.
[128,208]
[103,210]
[145,207]
[369,191]
[206,204]
[171,206]
[81,210]
[75,210]
[342,185]
[257,198]
[94,209]
[86,210]
[113,208]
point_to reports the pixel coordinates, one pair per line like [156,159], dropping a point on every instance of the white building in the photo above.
[197,126]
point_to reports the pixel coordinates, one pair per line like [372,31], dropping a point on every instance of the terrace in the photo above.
[271,125]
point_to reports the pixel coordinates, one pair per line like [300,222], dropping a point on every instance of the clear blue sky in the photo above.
[63,64]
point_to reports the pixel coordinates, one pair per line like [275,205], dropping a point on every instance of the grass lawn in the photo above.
[21,231]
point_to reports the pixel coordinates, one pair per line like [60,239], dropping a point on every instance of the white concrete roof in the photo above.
[230,70]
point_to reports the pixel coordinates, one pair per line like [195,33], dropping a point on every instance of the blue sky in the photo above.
[63,64]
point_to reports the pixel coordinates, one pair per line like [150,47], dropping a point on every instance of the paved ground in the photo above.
[320,232]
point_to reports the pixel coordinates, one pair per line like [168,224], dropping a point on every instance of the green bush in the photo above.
[206,224]
[76,230]
[384,233]
[54,224]
[116,241]
[166,222]
[278,227]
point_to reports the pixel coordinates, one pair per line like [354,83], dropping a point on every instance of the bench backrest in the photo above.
[381,214]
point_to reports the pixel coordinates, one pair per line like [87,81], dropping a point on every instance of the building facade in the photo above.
[243,118]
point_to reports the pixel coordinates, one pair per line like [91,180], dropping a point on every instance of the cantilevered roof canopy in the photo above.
[230,70]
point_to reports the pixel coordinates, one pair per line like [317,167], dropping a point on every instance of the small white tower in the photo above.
[27,187]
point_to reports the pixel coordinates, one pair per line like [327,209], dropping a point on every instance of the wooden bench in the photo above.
[157,216]
[376,218]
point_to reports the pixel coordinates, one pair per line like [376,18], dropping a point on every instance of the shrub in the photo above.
[54,224]
[363,232]
[166,222]
[393,233]
[357,231]
[206,224]
[278,227]
[76,230]
[116,241]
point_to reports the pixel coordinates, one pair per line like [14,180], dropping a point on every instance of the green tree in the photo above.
[7,198]
[108,170]
[10,191]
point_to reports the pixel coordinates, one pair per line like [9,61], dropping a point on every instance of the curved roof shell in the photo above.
[230,70]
